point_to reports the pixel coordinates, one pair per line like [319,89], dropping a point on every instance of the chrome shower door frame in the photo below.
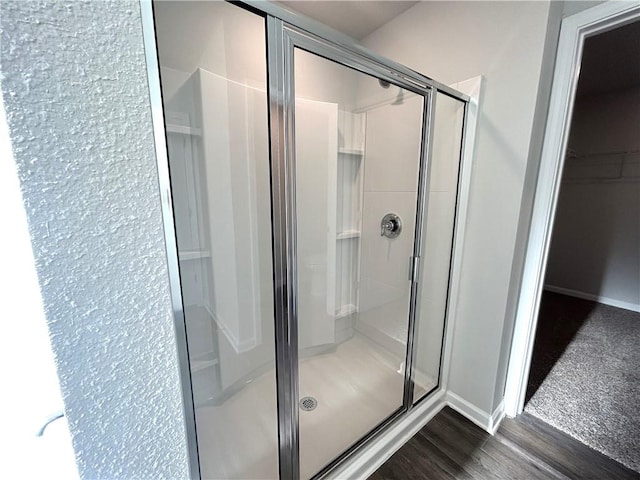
[287,30]
[282,39]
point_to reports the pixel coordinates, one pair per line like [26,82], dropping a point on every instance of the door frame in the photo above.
[282,41]
[573,32]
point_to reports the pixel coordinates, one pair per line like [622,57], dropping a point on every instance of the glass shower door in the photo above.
[357,161]
[298,173]
[436,256]
[214,81]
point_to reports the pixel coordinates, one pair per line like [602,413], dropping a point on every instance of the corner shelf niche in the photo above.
[351,151]
[348,218]
[345,235]
[193,255]
[183,129]
[185,156]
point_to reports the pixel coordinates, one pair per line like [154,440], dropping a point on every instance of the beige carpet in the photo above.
[585,375]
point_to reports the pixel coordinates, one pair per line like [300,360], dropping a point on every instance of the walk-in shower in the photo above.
[314,189]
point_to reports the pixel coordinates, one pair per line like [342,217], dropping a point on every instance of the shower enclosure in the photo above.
[313,190]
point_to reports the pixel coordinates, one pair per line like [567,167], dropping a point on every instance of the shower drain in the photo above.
[308,403]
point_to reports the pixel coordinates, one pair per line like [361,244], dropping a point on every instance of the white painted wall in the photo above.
[27,367]
[504,42]
[77,104]
[571,7]
[595,248]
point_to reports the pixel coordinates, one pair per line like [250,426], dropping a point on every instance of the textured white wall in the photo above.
[75,92]
[504,42]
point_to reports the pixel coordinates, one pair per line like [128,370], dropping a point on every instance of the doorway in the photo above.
[585,176]
[585,360]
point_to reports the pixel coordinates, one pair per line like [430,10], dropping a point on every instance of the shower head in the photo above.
[400,98]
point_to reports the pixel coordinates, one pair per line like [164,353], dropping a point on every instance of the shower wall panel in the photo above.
[390,185]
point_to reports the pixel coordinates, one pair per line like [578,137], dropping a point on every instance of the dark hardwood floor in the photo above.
[451,447]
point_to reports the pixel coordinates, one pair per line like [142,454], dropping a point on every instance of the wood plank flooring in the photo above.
[451,447]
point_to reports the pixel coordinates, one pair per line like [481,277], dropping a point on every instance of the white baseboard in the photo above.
[594,298]
[486,421]
[372,456]
[496,418]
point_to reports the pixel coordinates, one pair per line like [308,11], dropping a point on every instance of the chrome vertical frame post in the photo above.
[428,121]
[456,240]
[164,184]
[282,151]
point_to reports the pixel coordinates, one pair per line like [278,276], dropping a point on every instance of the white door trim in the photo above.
[573,31]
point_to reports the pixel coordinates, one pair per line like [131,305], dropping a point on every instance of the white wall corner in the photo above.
[489,422]
[634,307]
[473,87]
[496,418]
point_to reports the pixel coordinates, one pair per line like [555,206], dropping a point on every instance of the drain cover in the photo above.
[308,403]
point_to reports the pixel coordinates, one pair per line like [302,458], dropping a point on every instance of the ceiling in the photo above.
[354,18]
[611,61]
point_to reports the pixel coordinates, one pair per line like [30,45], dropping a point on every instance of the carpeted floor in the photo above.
[585,375]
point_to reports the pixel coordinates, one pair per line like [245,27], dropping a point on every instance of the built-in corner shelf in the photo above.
[346,310]
[197,365]
[351,151]
[348,234]
[182,129]
[345,223]
[193,254]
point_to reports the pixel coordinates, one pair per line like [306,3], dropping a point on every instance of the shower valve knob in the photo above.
[390,226]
